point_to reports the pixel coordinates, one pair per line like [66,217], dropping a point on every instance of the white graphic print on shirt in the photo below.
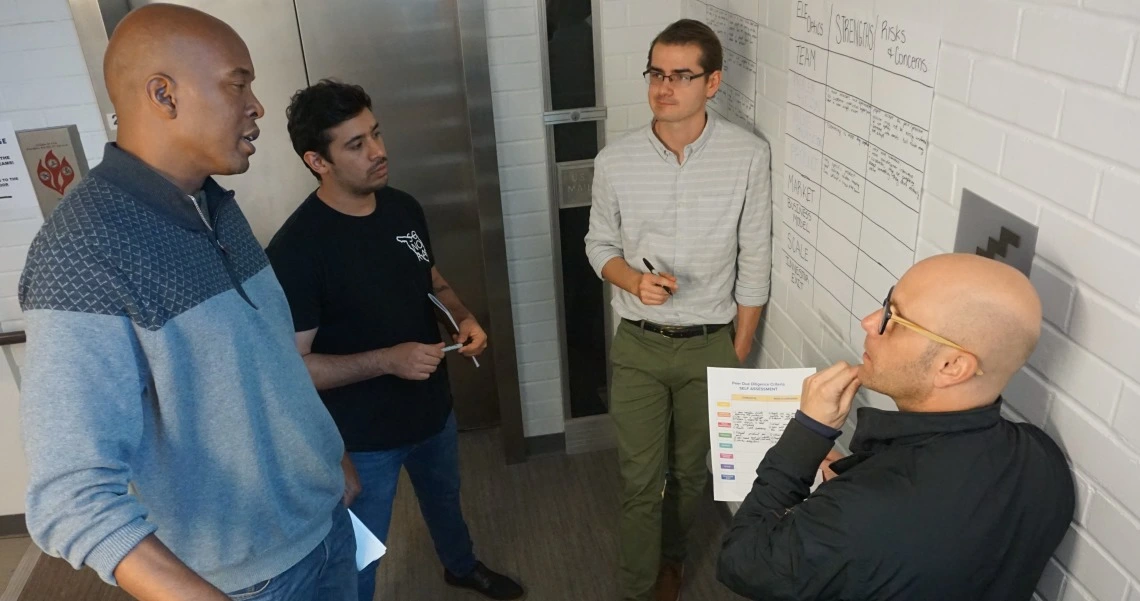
[413,242]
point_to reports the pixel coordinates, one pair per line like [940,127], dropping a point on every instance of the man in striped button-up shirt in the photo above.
[688,195]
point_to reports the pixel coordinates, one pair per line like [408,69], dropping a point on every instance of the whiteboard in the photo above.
[860,89]
[739,34]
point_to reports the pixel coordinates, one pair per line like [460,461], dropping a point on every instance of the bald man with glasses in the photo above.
[942,499]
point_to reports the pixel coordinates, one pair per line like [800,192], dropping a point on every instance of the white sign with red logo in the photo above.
[56,162]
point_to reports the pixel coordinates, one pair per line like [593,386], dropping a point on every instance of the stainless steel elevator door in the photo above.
[408,56]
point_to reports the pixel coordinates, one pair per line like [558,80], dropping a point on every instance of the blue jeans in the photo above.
[433,467]
[328,573]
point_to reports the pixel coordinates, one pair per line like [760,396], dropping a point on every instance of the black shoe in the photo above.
[487,583]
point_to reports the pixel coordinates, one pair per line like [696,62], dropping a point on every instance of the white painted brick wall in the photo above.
[967,133]
[1103,123]
[1011,93]
[1077,372]
[989,26]
[43,82]
[1037,108]
[1051,171]
[1057,291]
[1078,246]
[1128,415]
[513,47]
[1087,562]
[628,26]
[1117,209]
[1067,42]
[13,473]
[953,80]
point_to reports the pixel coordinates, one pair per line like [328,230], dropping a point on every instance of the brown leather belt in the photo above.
[676,331]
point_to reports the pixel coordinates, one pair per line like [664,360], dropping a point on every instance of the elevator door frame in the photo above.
[594,432]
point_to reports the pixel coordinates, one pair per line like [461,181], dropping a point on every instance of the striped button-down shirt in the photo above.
[707,220]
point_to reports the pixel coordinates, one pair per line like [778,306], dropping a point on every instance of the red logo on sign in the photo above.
[54,173]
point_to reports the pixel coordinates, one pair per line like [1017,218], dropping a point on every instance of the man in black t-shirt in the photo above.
[356,263]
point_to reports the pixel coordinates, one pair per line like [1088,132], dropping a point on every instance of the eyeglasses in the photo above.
[656,78]
[889,315]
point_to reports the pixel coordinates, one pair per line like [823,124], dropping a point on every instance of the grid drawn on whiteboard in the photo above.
[736,99]
[860,92]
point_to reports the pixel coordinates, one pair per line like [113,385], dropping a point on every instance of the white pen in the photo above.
[454,347]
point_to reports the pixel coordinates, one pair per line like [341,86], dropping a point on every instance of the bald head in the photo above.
[160,38]
[180,81]
[988,307]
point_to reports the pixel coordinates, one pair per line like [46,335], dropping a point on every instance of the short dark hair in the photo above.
[689,31]
[314,110]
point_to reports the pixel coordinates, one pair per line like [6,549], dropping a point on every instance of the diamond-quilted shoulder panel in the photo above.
[104,252]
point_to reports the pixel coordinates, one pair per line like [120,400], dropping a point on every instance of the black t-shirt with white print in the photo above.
[364,281]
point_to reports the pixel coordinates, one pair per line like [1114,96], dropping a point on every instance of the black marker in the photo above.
[653,271]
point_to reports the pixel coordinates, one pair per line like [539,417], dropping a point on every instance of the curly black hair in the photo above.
[317,109]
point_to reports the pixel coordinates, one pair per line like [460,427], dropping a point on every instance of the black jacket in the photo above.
[963,506]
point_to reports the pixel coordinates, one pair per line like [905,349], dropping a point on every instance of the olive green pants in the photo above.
[659,405]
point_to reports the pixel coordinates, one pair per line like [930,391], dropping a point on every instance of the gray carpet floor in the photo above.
[551,522]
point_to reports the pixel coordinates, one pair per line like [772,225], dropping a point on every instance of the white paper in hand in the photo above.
[439,304]
[748,411]
[368,547]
